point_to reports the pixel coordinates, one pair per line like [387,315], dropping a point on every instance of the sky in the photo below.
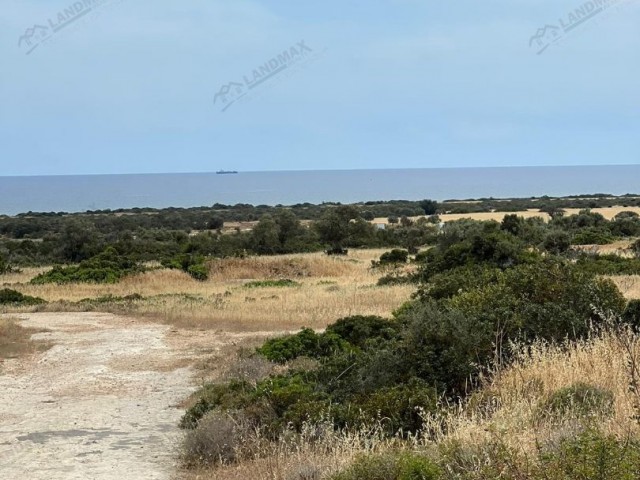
[138,86]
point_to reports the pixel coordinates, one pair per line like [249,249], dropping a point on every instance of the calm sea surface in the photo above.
[80,193]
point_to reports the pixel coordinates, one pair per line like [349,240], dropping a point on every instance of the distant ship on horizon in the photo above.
[226,172]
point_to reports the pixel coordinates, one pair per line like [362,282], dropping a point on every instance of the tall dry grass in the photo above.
[502,420]
[330,288]
[629,285]
[507,410]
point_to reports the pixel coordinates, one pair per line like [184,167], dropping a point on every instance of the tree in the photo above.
[333,230]
[288,225]
[79,241]
[216,223]
[265,237]
[430,207]
[557,242]
[4,266]
[513,224]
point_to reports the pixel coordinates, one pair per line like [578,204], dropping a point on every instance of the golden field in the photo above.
[608,213]
[330,288]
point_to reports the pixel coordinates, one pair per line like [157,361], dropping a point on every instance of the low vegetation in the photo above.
[464,350]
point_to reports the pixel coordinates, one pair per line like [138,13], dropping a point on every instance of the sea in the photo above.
[100,192]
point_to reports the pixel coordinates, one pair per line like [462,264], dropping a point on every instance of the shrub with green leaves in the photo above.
[396,256]
[15,298]
[281,283]
[591,455]
[224,397]
[609,264]
[192,264]
[391,466]
[577,400]
[106,267]
[306,343]
[631,314]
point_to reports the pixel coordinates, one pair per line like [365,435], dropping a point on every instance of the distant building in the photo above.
[380,226]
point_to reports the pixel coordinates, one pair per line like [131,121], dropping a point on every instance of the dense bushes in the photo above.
[307,343]
[481,290]
[106,267]
[194,265]
[15,298]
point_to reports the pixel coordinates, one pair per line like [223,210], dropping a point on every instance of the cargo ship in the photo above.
[226,172]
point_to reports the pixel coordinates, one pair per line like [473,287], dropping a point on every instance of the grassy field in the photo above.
[607,213]
[325,289]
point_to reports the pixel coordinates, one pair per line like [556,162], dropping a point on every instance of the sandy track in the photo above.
[100,404]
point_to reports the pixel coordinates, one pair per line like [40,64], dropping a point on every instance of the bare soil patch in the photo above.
[101,403]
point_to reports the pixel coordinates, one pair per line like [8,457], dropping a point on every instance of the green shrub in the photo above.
[306,343]
[591,456]
[579,399]
[631,314]
[393,257]
[106,267]
[225,397]
[199,272]
[592,236]
[394,278]
[282,283]
[359,329]
[189,263]
[391,466]
[15,298]
[107,299]
[609,264]
[398,408]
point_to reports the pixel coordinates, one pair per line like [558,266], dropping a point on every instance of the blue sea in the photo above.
[99,192]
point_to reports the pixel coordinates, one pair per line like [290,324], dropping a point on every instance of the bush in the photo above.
[591,455]
[224,397]
[631,314]
[557,242]
[592,236]
[394,257]
[283,283]
[198,272]
[359,329]
[306,343]
[189,263]
[15,298]
[106,267]
[218,439]
[391,466]
[579,400]
[610,264]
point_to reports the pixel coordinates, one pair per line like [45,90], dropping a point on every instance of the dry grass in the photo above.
[15,340]
[330,288]
[608,213]
[629,285]
[507,410]
[318,452]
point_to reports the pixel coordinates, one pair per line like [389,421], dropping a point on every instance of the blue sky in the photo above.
[130,87]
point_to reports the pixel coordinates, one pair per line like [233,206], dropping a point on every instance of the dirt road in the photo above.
[100,404]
